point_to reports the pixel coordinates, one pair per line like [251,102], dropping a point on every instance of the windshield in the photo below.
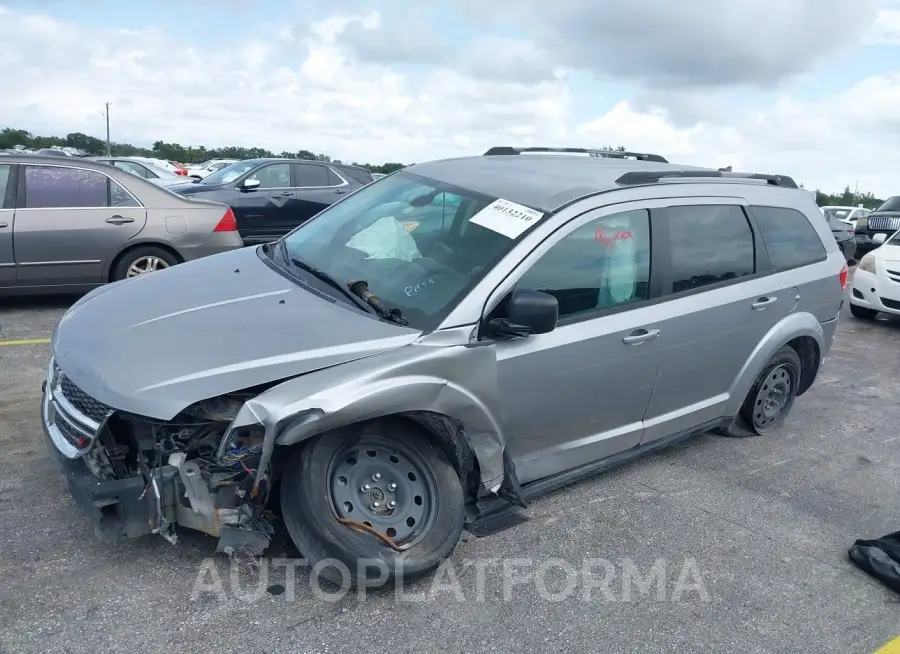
[420,244]
[892,204]
[229,173]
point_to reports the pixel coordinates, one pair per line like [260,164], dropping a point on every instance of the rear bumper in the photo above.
[215,243]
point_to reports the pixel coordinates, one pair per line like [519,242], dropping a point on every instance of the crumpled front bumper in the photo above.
[118,507]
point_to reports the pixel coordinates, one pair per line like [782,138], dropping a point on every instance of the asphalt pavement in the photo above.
[748,538]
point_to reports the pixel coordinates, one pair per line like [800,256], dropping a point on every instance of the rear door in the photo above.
[70,222]
[318,187]
[263,213]
[718,301]
[7,216]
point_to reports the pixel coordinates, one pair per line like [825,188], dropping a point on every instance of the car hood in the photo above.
[154,345]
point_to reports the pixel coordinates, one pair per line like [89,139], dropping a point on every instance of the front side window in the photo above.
[373,235]
[4,182]
[229,173]
[600,265]
[709,244]
[274,176]
[790,238]
[53,187]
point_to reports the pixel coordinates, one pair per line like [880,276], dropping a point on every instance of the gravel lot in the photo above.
[767,521]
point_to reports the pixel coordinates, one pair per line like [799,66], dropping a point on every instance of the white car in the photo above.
[207,168]
[876,283]
[847,215]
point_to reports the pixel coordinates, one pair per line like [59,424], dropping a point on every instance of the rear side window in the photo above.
[357,175]
[311,175]
[708,244]
[4,183]
[789,237]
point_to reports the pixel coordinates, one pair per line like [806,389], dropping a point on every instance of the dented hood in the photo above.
[155,344]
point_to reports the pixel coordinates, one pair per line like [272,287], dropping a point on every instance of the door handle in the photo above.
[287,193]
[2,225]
[763,302]
[339,192]
[119,220]
[641,336]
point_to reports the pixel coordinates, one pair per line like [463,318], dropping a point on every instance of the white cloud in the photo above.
[292,87]
[886,30]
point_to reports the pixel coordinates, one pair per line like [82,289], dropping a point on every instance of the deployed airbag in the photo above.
[880,558]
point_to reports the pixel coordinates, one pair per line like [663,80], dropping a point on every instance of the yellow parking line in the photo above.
[27,341]
[892,647]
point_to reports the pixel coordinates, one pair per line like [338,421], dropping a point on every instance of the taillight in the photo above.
[843,277]
[229,223]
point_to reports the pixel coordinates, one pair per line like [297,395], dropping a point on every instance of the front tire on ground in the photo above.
[772,395]
[350,494]
[862,313]
[143,260]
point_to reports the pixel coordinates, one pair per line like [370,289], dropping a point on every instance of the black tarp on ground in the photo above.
[880,558]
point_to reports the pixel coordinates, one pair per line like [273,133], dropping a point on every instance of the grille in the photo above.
[83,402]
[890,304]
[884,222]
[75,438]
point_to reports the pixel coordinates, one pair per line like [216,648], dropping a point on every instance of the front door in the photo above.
[70,222]
[578,394]
[7,215]
[262,212]
[718,304]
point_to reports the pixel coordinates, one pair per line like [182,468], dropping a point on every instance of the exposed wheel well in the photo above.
[131,248]
[810,358]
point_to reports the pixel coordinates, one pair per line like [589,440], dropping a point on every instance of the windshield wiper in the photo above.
[320,274]
[360,288]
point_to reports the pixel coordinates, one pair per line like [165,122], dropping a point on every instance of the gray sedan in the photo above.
[69,225]
[142,168]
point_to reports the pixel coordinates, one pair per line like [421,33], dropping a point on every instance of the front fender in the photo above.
[458,381]
[792,326]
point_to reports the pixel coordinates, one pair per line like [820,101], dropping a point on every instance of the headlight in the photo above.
[867,264]
[862,223]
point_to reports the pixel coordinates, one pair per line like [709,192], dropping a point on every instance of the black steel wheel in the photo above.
[381,493]
[772,395]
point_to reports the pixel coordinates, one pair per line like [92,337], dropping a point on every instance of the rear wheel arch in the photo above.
[808,350]
[135,246]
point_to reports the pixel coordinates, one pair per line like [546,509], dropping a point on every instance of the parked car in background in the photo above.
[847,215]
[270,197]
[165,164]
[68,225]
[843,234]
[883,220]
[876,282]
[392,387]
[142,168]
[207,168]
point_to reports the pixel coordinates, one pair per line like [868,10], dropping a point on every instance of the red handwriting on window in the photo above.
[609,238]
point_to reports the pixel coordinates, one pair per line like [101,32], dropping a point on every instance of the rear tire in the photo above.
[148,258]
[772,395]
[386,474]
[862,313]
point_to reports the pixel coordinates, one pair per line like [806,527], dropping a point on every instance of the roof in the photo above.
[80,162]
[542,182]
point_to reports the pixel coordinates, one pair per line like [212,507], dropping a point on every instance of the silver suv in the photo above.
[457,337]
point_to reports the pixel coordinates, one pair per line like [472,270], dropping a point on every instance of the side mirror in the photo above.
[250,184]
[879,238]
[527,312]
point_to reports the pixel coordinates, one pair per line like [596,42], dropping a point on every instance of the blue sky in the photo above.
[811,87]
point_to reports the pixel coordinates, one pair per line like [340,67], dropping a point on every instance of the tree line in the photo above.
[11,137]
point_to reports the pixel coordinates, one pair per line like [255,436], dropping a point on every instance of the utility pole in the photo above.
[108,149]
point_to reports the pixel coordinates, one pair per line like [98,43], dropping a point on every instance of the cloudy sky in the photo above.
[809,88]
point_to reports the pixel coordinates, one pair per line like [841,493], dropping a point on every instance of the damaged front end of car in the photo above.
[136,476]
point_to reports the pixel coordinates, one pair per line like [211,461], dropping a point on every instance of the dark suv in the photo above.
[884,220]
[270,197]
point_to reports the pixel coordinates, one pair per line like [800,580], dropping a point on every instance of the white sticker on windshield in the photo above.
[507,218]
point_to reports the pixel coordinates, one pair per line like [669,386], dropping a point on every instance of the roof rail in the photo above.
[607,154]
[653,176]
